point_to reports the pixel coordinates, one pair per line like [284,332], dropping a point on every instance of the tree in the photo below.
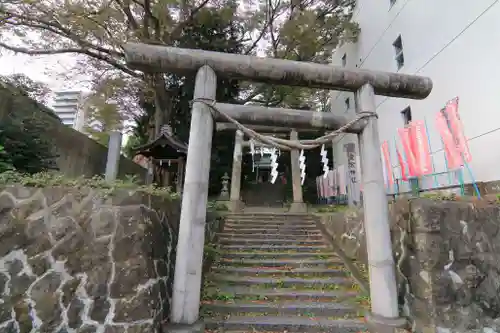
[304,30]
[24,146]
[210,31]
[5,161]
[133,142]
[97,29]
[102,111]
[38,91]
[301,30]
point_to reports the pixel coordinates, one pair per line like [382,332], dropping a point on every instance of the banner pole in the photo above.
[436,183]
[473,180]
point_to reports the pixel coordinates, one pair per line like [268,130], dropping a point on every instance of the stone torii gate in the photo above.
[384,315]
[235,203]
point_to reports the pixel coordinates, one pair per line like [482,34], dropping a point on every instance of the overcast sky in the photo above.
[37,67]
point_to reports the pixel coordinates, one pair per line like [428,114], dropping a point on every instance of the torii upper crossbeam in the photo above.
[155,58]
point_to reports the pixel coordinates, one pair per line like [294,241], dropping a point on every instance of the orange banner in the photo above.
[421,148]
[404,135]
[453,157]
[402,165]
[457,129]
[387,162]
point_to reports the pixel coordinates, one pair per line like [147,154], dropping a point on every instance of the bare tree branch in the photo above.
[58,29]
[87,52]
[182,25]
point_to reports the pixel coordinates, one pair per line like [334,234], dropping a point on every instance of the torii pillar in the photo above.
[235,203]
[298,205]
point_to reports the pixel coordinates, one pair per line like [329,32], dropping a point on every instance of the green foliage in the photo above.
[132,143]
[5,161]
[439,196]
[301,31]
[211,30]
[210,252]
[332,209]
[217,206]
[55,179]
[102,111]
[25,147]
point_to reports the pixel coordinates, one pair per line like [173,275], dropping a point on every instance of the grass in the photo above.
[330,208]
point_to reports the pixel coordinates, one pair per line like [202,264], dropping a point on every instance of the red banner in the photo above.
[404,134]
[402,165]
[421,150]
[453,157]
[457,129]
[387,162]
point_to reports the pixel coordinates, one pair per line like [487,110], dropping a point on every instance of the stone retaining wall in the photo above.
[71,261]
[448,261]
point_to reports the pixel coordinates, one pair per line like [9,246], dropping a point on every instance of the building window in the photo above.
[344,60]
[347,104]
[398,48]
[406,113]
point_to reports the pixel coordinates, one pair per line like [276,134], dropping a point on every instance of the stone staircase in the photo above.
[275,273]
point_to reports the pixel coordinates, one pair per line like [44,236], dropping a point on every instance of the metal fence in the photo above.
[450,182]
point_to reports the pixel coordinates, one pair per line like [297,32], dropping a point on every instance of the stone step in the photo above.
[264,231]
[233,235]
[279,272]
[277,255]
[269,241]
[323,263]
[278,216]
[286,323]
[291,227]
[269,222]
[285,282]
[283,308]
[277,248]
[279,294]
[271,227]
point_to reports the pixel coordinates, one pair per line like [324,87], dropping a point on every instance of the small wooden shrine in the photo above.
[168,155]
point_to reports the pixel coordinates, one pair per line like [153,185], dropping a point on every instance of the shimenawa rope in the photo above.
[284,144]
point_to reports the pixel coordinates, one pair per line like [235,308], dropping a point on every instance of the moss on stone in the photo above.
[55,179]
[22,311]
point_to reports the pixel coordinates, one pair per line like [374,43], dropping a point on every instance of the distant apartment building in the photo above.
[68,106]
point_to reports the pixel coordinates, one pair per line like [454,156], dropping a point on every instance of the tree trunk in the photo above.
[162,103]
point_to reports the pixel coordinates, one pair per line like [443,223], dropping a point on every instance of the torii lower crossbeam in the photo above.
[280,117]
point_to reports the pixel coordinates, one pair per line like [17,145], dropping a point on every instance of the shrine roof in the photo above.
[164,146]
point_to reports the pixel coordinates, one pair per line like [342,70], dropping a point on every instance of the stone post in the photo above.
[114,152]
[224,193]
[384,316]
[298,205]
[353,186]
[180,174]
[150,172]
[235,203]
[188,265]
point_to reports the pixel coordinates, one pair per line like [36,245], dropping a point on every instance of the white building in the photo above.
[451,41]
[68,106]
